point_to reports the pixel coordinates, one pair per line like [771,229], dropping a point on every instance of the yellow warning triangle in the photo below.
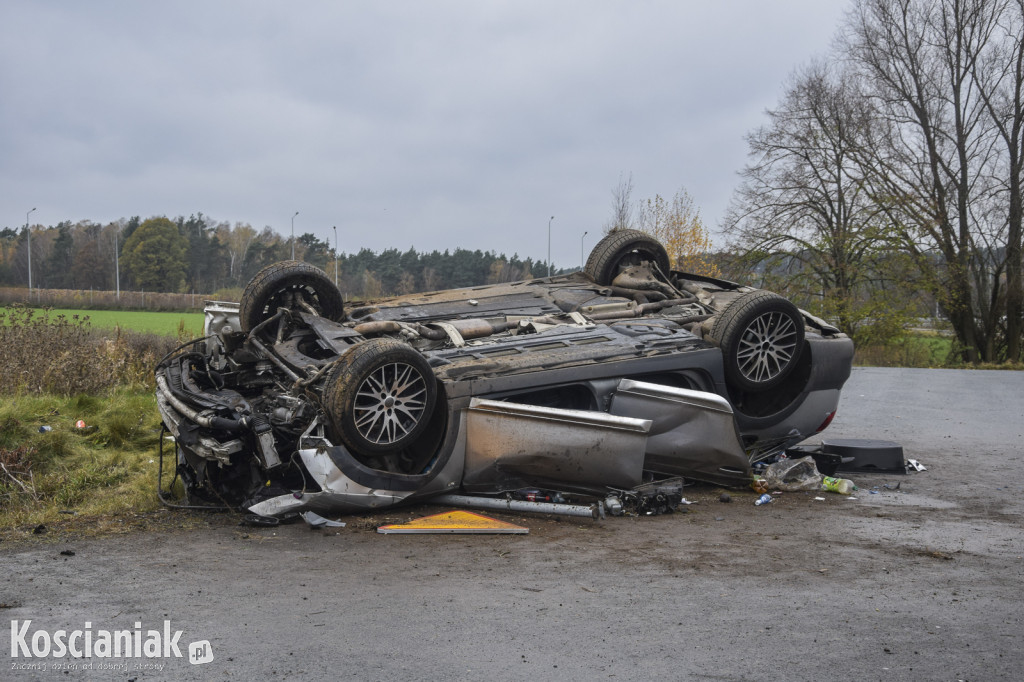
[455,522]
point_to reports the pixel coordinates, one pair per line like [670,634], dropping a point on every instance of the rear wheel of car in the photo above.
[623,248]
[761,335]
[380,396]
[289,284]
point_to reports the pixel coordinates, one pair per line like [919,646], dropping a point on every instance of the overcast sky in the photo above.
[429,124]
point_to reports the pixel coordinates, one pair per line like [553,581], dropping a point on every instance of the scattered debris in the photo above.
[45,428]
[316,521]
[915,465]
[764,499]
[656,497]
[67,552]
[40,529]
[793,475]
[613,505]
[843,486]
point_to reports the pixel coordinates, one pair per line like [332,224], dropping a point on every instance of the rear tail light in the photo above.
[828,420]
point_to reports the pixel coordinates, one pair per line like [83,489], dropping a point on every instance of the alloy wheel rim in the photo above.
[766,347]
[390,403]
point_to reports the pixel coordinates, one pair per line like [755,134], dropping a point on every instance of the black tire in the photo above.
[380,396]
[286,285]
[761,335]
[620,249]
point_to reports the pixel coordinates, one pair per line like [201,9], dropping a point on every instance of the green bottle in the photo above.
[843,486]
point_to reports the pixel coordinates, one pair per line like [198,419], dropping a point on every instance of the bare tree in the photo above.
[803,204]
[622,206]
[931,160]
[1000,74]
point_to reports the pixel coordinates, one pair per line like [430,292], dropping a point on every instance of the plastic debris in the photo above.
[80,424]
[915,465]
[764,499]
[793,475]
[843,486]
[316,521]
[45,429]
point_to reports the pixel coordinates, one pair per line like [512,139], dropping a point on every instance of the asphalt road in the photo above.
[920,583]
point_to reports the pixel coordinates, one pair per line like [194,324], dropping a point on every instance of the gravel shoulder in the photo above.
[917,583]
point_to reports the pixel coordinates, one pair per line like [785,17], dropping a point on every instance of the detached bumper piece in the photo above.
[854,456]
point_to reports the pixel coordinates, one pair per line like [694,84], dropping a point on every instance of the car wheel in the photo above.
[289,284]
[623,248]
[761,335]
[380,396]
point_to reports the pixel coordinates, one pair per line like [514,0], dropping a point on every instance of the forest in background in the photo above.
[198,255]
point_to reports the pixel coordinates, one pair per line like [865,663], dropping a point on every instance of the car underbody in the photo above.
[599,380]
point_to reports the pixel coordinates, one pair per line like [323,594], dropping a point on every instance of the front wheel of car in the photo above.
[380,396]
[761,335]
[289,284]
[621,249]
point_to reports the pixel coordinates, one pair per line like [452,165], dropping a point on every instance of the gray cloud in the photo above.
[434,124]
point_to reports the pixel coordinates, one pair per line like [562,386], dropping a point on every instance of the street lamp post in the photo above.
[28,234]
[581,248]
[293,235]
[117,260]
[549,246]
[335,255]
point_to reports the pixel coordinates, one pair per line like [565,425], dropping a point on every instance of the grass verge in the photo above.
[64,473]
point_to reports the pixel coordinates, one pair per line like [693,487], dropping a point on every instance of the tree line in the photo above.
[196,254]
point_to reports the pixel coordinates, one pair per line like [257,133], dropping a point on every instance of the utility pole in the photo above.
[293,235]
[581,248]
[28,234]
[335,255]
[117,260]
[549,246]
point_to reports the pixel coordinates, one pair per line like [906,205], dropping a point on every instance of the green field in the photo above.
[139,320]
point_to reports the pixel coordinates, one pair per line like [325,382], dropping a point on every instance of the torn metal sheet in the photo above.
[316,521]
[455,522]
[338,492]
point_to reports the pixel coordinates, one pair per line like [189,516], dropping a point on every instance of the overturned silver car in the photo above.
[580,383]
